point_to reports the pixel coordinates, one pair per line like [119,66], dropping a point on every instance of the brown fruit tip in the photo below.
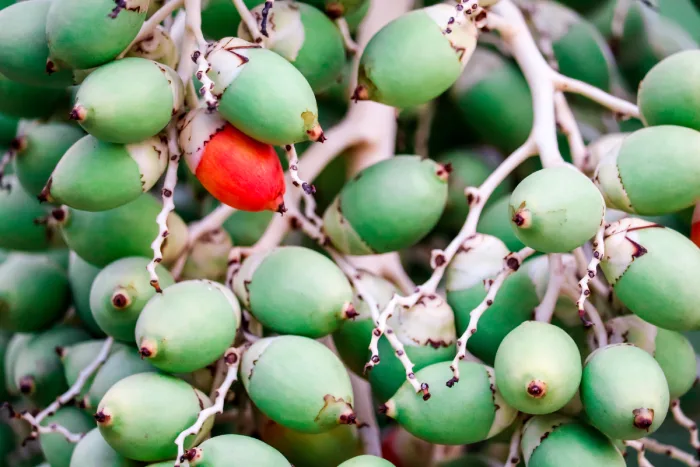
[388,408]
[60,351]
[361,93]
[523,218]
[316,133]
[347,418]
[191,455]
[103,417]
[148,349]
[19,144]
[45,194]
[51,66]
[26,385]
[537,389]
[444,171]
[643,418]
[349,311]
[79,113]
[121,299]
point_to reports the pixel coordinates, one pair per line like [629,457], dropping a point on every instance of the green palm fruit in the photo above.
[38,372]
[208,257]
[388,206]
[121,364]
[5,339]
[8,129]
[142,414]
[57,449]
[17,344]
[97,176]
[235,450]
[106,236]
[555,440]
[34,293]
[538,368]
[307,38]
[427,331]
[27,101]
[220,17]
[93,451]
[366,461]
[40,149]
[494,100]
[672,350]
[667,95]
[317,387]
[128,101]
[469,169]
[158,46]
[336,8]
[601,147]
[652,271]
[8,442]
[77,357]
[495,221]
[471,411]
[467,276]
[312,301]
[624,391]
[84,35]
[326,449]
[243,74]
[174,339]
[412,60]
[565,310]
[652,171]
[21,220]
[353,338]
[81,274]
[25,49]
[120,292]
[556,210]
[244,227]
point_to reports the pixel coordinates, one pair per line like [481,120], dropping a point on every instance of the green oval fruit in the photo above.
[5,339]
[17,344]
[388,206]
[555,440]
[8,129]
[38,372]
[97,176]
[27,101]
[41,147]
[246,227]
[466,276]
[412,60]
[22,220]
[120,292]
[243,74]
[25,49]
[174,339]
[336,8]
[57,449]
[495,221]
[471,411]
[81,274]
[159,47]
[84,35]
[556,210]
[538,368]
[307,38]
[141,415]
[318,392]
[366,461]
[77,357]
[652,270]
[34,293]
[652,171]
[312,301]
[220,17]
[624,391]
[128,101]
[667,95]
[122,363]
[208,257]
[427,331]
[233,450]
[93,451]
[353,338]
[106,236]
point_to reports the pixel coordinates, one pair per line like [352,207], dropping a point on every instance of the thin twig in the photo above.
[150,25]
[250,21]
[639,446]
[350,44]
[569,126]
[598,252]
[683,420]
[293,159]
[514,452]
[673,452]
[545,310]
[596,322]
[4,162]
[620,106]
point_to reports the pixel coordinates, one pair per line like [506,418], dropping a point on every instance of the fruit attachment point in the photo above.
[78,113]
[537,389]
[643,418]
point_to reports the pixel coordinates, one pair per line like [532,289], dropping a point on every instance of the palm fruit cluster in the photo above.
[301,233]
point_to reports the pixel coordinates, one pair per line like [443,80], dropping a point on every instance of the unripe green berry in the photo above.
[93,451]
[233,450]
[57,449]
[366,461]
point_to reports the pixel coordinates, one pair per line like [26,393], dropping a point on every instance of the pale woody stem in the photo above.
[514,451]
[683,420]
[598,252]
[249,20]
[545,309]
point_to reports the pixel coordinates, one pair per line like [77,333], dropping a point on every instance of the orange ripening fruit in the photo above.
[695,233]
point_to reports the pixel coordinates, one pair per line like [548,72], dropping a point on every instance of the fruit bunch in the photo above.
[349,233]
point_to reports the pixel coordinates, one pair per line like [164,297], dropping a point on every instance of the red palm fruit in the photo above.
[695,229]
[236,169]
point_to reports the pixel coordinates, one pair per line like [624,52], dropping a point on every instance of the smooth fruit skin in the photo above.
[220,17]
[388,206]
[141,415]
[174,339]
[366,461]
[17,344]
[120,292]
[56,448]
[538,368]
[81,274]
[18,212]
[27,101]
[85,35]
[8,129]
[668,95]
[652,172]
[243,74]
[128,100]
[34,293]
[97,176]
[652,270]
[555,440]
[5,339]
[495,221]
[93,451]
[78,356]
[470,411]
[106,236]
[624,391]
[41,147]
[312,301]
[24,52]
[411,60]
[556,210]
[317,387]
[121,364]
[209,257]
[237,450]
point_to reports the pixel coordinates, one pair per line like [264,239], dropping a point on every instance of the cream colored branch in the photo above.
[249,20]
[569,126]
[673,452]
[591,311]
[620,106]
[683,420]
[545,310]
[514,450]
[150,25]
[350,44]
[639,446]
[4,162]
[598,252]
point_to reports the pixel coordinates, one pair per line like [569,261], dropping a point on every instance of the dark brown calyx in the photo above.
[27,386]
[78,113]
[361,93]
[537,389]
[643,418]
[103,417]
[121,299]
[349,311]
